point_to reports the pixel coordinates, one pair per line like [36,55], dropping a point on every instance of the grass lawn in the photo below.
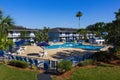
[7,73]
[97,73]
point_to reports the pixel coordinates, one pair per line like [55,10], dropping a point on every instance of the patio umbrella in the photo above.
[43,44]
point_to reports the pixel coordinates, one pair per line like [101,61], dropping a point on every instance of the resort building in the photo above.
[18,32]
[94,39]
[97,40]
[90,34]
[63,34]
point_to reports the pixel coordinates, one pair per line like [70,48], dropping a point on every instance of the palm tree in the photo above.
[5,23]
[24,34]
[39,36]
[82,32]
[42,36]
[79,14]
[45,33]
[5,43]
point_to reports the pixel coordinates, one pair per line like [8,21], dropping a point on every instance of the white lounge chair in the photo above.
[41,54]
[45,54]
[25,47]
[20,51]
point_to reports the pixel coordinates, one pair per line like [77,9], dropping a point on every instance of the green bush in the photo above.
[6,61]
[20,64]
[86,62]
[116,49]
[103,56]
[86,40]
[64,66]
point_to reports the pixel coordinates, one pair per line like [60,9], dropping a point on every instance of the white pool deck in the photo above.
[53,54]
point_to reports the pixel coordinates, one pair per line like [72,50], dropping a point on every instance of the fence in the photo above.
[46,63]
[37,62]
[77,59]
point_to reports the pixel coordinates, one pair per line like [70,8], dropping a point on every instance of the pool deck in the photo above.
[54,54]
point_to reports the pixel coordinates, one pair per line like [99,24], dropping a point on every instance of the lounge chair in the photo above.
[45,54]
[20,51]
[26,59]
[17,58]
[41,54]
[39,63]
[24,48]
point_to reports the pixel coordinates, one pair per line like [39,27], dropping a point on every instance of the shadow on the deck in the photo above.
[33,54]
[68,53]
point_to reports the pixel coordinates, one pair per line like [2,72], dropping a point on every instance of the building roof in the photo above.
[63,30]
[21,28]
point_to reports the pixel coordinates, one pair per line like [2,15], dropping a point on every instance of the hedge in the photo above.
[20,64]
[64,66]
[86,62]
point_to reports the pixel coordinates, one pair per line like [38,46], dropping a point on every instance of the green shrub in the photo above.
[86,40]
[20,64]
[64,66]
[6,61]
[86,62]
[103,56]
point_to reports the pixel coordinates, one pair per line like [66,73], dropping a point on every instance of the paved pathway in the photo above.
[44,76]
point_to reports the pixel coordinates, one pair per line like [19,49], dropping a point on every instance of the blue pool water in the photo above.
[74,45]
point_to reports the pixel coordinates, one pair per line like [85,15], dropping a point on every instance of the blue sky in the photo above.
[59,13]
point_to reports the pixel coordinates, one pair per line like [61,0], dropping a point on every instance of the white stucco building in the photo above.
[97,40]
[15,33]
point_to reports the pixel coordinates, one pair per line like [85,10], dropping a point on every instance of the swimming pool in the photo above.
[74,45]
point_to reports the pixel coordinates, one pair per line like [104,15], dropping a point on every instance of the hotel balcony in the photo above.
[62,35]
[31,35]
[18,35]
[76,35]
[65,35]
[68,35]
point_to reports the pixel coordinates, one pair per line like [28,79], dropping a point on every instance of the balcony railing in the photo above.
[68,35]
[12,36]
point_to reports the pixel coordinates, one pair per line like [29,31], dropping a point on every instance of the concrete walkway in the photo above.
[44,76]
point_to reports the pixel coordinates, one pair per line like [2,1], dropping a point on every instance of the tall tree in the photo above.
[82,32]
[5,23]
[117,15]
[39,36]
[113,36]
[5,43]
[42,35]
[45,33]
[97,27]
[79,14]
[24,34]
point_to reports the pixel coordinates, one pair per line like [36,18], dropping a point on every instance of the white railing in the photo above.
[11,36]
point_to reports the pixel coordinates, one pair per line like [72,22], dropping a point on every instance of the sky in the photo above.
[59,13]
